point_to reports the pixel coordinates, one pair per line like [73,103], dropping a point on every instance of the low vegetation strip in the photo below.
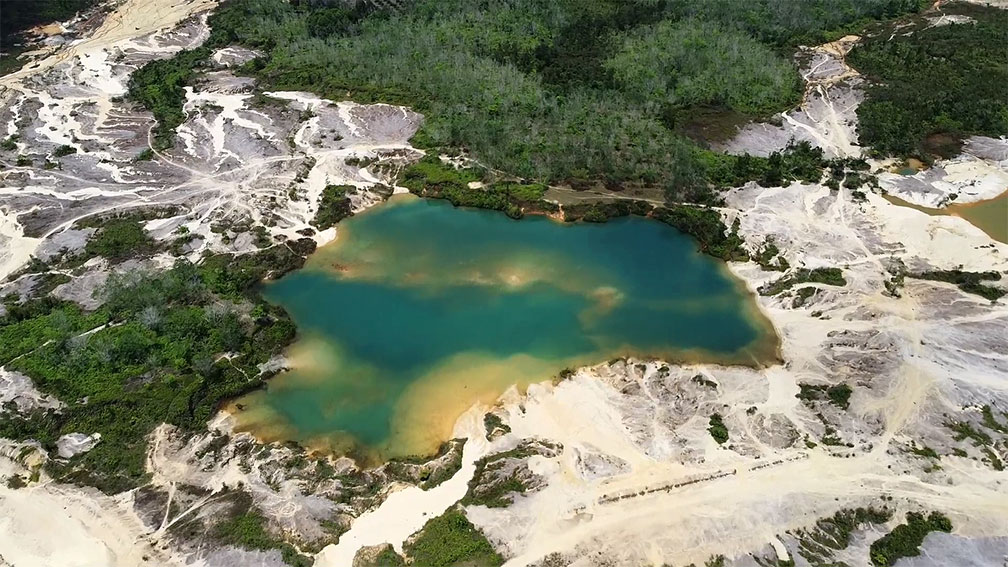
[905,539]
[818,545]
[970,282]
[827,276]
[432,177]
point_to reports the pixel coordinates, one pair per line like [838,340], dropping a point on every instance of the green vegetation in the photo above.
[387,557]
[765,258]
[164,348]
[963,430]
[494,426]
[680,64]
[905,539]
[827,276]
[838,395]
[488,488]
[717,428]
[431,177]
[786,24]
[796,162]
[451,540]
[334,206]
[160,87]
[832,534]
[605,86]
[9,143]
[248,531]
[442,472]
[802,295]
[925,451]
[703,381]
[933,85]
[64,150]
[706,226]
[990,422]
[120,238]
[967,281]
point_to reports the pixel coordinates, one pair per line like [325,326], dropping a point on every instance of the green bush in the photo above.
[118,239]
[451,540]
[334,206]
[905,539]
[970,282]
[249,532]
[717,429]
[827,276]
[64,150]
[160,87]
[706,226]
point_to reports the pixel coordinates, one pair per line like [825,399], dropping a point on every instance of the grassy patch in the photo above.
[990,422]
[160,87]
[248,531]
[832,534]
[431,177]
[494,426]
[443,471]
[64,150]
[451,540]
[118,239]
[706,226]
[488,489]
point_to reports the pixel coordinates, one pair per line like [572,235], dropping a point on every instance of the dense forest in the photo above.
[932,85]
[552,91]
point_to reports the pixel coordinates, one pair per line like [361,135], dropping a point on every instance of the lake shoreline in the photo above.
[761,352]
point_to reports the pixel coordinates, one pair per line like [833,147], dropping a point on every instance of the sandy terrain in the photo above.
[636,478]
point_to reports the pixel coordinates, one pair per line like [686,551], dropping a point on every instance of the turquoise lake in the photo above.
[419,309]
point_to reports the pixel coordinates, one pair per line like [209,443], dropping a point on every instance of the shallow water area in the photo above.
[417,310]
[990,216]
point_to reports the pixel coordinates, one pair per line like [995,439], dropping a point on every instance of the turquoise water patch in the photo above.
[419,309]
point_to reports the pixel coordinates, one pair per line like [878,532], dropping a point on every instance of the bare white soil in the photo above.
[638,478]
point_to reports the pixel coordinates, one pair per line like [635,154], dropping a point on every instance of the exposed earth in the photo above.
[616,463]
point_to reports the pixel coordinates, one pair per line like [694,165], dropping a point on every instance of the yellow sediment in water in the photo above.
[990,216]
[441,312]
[428,409]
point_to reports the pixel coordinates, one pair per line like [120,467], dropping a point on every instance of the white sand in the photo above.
[405,511]
[56,526]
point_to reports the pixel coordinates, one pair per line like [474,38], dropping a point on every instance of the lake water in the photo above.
[419,309]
